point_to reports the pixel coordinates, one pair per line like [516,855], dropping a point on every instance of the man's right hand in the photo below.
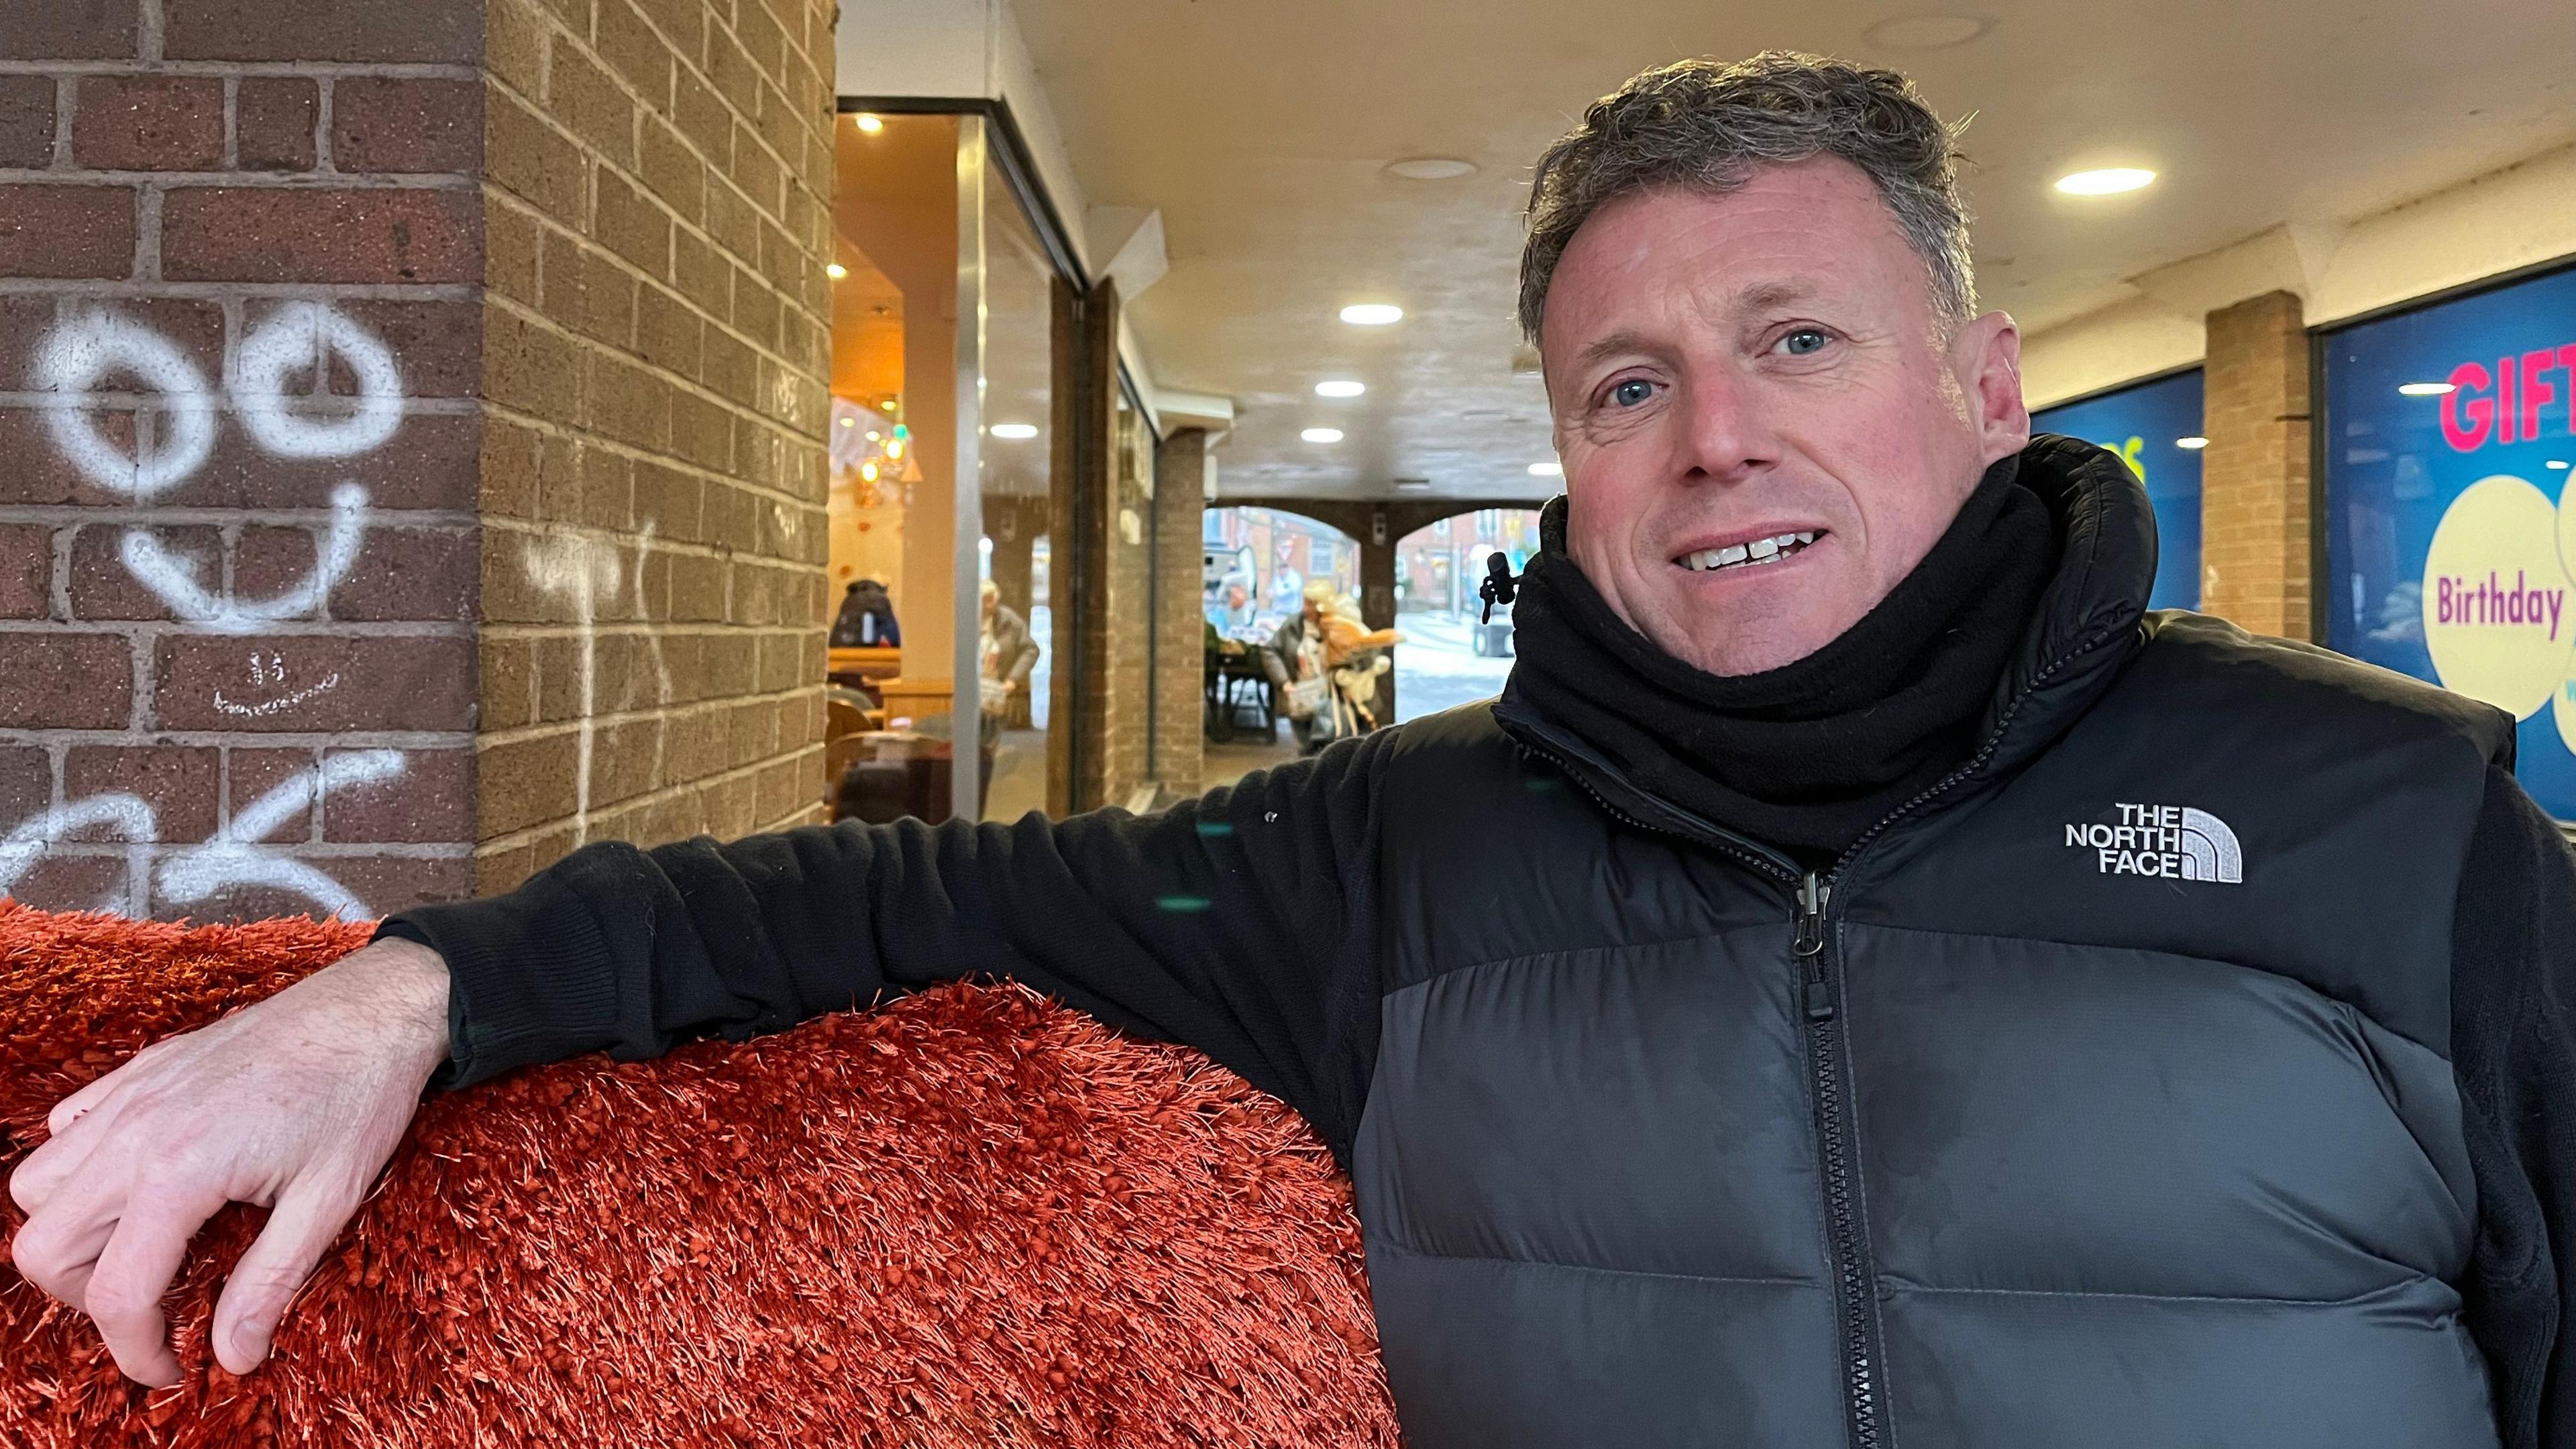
[293,1103]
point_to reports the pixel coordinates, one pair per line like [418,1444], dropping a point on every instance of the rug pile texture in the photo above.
[969,1217]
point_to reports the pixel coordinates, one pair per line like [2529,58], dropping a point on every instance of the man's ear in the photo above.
[1987,354]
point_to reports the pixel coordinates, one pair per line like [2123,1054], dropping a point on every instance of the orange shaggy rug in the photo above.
[969,1218]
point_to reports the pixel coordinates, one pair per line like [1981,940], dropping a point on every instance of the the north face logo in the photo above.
[2175,842]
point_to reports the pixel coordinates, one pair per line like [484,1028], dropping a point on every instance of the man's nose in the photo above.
[1725,433]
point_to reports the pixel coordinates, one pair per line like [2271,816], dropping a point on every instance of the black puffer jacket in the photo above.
[2190,1067]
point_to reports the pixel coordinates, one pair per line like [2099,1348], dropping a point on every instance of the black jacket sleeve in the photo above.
[2513,1046]
[1240,923]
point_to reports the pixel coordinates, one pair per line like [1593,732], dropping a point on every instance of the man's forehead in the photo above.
[1765,247]
[1720,299]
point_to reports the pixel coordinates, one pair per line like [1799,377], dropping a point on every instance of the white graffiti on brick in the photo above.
[174,579]
[234,857]
[298,340]
[102,360]
[273,671]
[34,837]
[585,573]
[301,337]
[82,354]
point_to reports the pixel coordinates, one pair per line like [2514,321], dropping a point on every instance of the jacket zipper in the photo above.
[1855,1277]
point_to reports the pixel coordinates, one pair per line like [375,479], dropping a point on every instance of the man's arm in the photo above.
[1220,924]
[2513,1046]
[1239,925]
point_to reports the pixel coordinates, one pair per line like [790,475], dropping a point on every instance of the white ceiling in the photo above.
[1261,129]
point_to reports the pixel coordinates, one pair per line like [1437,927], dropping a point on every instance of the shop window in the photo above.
[1015,626]
[2445,440]
[941,492]
[2156,428]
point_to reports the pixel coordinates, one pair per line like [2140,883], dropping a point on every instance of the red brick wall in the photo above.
[237,622]
[1179,683]
[1126,596]
[658,205]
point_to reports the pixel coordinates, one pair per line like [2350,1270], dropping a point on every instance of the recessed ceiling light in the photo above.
[1322,435]
[1340,387]
[2193,444]
[1547,470]
[870,124]
[2424,389]
[2555,463]
[1431,168]
[1372,314]
[2109,181]
[835,271]
[1928,32]
[1015,432]
[1412,485]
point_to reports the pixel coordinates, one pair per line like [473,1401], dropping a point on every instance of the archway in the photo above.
[1255,564]
[1269,554]
[1451,655]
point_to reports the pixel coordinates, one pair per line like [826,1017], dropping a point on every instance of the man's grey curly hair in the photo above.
[1707,127]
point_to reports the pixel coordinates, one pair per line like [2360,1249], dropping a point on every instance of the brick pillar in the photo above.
[2256,559]
[1099,570]
[414,419]
[1125,687]
[1180,504]
[239,618]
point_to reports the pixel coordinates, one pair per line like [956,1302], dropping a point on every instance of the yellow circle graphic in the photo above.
[2496,599]
[2562,704]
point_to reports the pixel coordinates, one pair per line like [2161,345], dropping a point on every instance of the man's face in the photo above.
[1759,380]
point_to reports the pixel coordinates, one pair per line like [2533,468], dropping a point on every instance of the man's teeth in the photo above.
[1759,551]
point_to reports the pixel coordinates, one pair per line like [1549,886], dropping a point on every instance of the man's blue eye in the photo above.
[1803,341]
[1632,392]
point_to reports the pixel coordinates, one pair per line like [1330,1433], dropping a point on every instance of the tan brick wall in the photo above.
[236,621]
[658,202]
[1126,600]
[2255,475]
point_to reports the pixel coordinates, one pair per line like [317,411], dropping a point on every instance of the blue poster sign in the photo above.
[2447,438]
[2156,427]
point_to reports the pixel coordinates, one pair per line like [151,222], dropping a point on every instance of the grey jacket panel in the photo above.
[1487,1353]
[1970,1370]
[2043,1118]
[1639,1109]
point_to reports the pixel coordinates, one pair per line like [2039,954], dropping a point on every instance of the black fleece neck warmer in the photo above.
[1808,756]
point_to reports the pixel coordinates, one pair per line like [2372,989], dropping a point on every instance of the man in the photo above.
[1865,981]
[1232,612]
[1004,649]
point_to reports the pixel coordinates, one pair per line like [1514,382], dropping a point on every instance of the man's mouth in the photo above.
[1752,554]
